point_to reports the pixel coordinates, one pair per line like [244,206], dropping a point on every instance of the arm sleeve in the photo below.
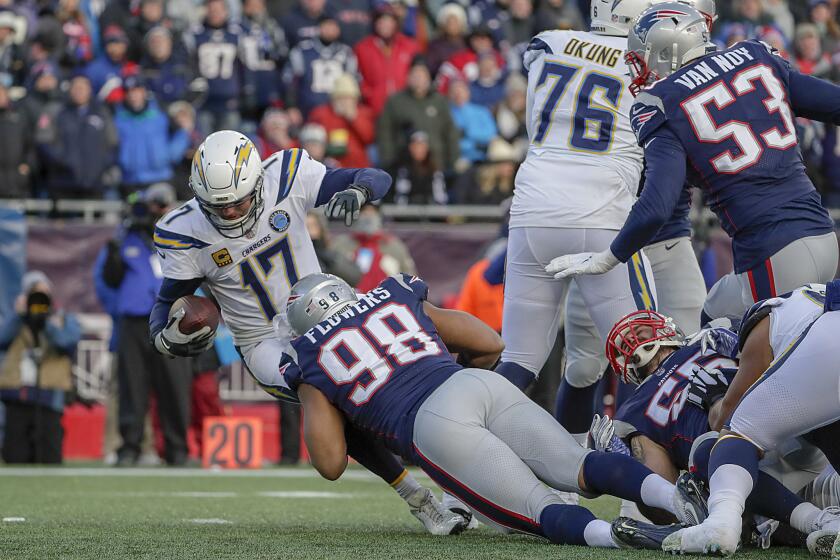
[170,290]
[66,336]
[665,177]
[814,98]
[376,181]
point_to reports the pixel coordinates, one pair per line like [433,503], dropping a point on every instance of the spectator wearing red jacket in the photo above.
[384,59]
[350,126]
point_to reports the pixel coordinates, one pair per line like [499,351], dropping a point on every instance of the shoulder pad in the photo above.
[752,317]
[413,284]
[646,115]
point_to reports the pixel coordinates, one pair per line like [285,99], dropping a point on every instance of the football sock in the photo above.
[575,406]
[516,374]
[599,533]
[405,485]
[564,524]
[701,459]
[733,469]
[624,477]
[771,499]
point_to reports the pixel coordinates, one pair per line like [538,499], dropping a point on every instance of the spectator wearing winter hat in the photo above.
[106,71]
[43,98]
[810,57]
[264,49]
[151,14]
[148,151]
[510,115]
[350,126]
[464,64]
[354,17]
[521,25]
[452,29]
[303,21]
[166,74]
[417,107]
[11,54]
[313,139]
[384,59]
[419,180]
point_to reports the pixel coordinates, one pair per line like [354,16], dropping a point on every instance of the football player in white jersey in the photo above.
[786,387]
[574,189]
[680,288]
[244,235]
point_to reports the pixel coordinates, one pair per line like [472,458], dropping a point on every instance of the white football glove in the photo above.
[582,263]
[172,342]
[347,204]
[601,432]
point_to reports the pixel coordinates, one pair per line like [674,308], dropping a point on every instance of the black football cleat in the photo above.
[629,533]
[691,500]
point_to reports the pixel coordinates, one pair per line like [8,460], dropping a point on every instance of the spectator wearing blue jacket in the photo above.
[105,71]
[476,122]
[36,372]
[148,150]
[128,273]
[167,73]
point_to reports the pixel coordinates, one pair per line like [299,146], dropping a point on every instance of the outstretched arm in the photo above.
[345,191]
[665,179]
[475,342]
[756,357]
[814,98]
[323,432]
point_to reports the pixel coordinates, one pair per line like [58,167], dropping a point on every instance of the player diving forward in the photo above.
[381,362]
[244,235]
[787,386]
[666,420]
[730,115]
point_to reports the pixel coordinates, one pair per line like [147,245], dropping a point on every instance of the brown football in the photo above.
[200,312]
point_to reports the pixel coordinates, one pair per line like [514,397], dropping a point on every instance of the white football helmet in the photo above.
[614,17]
[226,172]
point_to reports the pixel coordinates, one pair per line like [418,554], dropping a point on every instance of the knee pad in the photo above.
[584,371]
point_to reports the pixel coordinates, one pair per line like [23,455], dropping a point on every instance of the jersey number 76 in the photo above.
[595,106]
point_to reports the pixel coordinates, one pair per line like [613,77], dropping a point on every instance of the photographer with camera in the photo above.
[129,268]
[36,373]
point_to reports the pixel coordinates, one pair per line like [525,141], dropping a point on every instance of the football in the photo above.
[200,312]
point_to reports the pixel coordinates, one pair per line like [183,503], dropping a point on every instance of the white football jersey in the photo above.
[792,314]
[252,275]
[583,165]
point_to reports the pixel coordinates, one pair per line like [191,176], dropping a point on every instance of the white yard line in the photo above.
[209,521]
[304,494]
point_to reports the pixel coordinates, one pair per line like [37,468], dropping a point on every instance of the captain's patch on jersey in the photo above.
[222,258]
[279,220]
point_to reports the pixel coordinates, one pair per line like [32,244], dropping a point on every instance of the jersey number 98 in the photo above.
[595,106]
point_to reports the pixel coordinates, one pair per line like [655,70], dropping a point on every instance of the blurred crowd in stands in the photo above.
[101,98]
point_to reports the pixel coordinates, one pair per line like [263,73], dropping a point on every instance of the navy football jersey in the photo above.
[377,361]
[216,54]
[731,110]
[658,408]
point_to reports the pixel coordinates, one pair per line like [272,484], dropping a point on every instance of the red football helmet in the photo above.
[635,340]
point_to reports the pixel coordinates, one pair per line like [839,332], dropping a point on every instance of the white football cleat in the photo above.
[706,538]
[821,539]
[435,518]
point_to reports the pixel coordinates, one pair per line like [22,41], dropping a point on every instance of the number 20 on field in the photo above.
[232,443]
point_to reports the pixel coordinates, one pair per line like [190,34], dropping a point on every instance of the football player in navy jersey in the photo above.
[666,420]
[380,362]
[725,120]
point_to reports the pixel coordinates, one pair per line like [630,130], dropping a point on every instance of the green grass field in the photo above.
[102,513]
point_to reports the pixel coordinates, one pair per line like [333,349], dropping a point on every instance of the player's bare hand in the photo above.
[581,263]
